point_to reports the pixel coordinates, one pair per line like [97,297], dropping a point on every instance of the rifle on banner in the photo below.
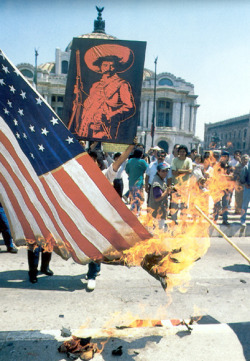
[78,89]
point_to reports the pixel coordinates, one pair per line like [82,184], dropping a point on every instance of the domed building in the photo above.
[174,98]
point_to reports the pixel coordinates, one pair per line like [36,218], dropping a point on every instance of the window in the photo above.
[164,113]
[60,99]
[245,133]
[165,81]
[53,98]
[28,73]
[65,67]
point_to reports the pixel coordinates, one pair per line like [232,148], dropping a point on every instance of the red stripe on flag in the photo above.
[89,210]
[27,230]
[111,195]
[87,247]
[45,232]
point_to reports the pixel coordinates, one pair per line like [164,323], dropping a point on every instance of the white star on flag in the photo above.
[69,140]
[2,82]
[24,135]
[5,69]
[9,103]
[32,128]
[18,135]
[41,147]
[39,101]
[6,111]
[23,94]
[54,121]
[15,122]
[44,131]
[12,89]
[20,111]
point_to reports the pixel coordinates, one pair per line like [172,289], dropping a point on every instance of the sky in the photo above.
[204,42]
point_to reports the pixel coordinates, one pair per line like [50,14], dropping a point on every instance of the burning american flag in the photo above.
[52,192]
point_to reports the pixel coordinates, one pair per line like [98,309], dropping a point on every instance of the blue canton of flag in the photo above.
[42,136]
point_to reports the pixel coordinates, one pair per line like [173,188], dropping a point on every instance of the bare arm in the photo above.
[124,156]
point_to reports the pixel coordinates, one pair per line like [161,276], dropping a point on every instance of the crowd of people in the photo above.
[161,181]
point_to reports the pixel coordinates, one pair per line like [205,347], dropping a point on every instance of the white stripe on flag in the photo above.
[94,195]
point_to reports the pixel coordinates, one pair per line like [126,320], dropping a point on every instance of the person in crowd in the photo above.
[238,186]
[169,158]
[236,159]
[136,168]
[110,173]
[198,167]
[33,260]
[245,180]
[5,230]
[158,196]
[152,169]
[118,181]
[193,154]
[182,168]
[228,172]
[153,153]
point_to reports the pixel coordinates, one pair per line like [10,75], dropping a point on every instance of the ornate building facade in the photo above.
[175,101]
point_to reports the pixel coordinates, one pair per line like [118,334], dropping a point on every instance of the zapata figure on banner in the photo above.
[110,100]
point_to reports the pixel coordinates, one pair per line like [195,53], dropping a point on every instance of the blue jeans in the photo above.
[245,203]
[225,203]
[5,229]
[94,268]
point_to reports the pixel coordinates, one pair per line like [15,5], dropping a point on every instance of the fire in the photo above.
[169,255]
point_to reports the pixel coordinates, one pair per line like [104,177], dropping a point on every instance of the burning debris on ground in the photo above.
[79,348]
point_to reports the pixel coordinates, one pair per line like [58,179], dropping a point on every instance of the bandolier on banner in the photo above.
[103,90]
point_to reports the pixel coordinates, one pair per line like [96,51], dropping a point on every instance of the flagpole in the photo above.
[35,75]
[153,117]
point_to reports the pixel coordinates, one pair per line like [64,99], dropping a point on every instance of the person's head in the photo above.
[116,155]
[162,170]
[182,151]
[83,143]
[175,150]
[161,155]
[138,153]
[193,153]
[139,146]
[245,159]
[224,158]
[237,155]
[198,159]
[93,155]
[107,64]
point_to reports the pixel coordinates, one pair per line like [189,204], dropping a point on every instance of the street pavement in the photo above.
[218,293]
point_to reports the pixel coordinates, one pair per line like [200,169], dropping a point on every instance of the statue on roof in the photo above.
[99,24]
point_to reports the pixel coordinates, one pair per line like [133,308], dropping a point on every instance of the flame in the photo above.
[170,255]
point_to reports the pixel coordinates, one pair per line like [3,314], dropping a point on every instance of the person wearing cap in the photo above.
[152,169]
[159,192]
[110,99]
[223,204]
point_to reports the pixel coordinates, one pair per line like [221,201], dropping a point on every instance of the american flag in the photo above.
[51,190]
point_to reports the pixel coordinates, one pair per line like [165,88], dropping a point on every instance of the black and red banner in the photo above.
[102,99]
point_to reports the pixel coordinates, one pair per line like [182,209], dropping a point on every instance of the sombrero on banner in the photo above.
[121,55]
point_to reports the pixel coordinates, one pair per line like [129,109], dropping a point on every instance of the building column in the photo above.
[176,108]
[182,115]
[191,119]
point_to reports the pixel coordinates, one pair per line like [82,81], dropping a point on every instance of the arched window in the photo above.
[166,81]
[65,66]
[164,145]
[28,73]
